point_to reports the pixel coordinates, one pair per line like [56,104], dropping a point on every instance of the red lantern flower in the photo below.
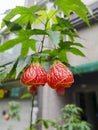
[34,76]
[59,77]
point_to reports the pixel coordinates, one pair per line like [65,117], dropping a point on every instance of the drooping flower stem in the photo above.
[31,116]
[43,39]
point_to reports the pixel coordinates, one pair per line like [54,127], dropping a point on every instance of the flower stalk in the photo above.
[31,115]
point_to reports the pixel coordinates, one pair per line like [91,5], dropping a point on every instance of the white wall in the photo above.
[88,2]
[24,114]
[89,38]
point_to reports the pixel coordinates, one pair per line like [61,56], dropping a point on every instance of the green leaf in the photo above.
[85,125]
[77,44]
[9,44]
[62,56]
[6,70]
[57,54]
[37,122]
[42,15]
[12,73]
[12,25]
[68,44]
[64,23]
[52,15]
[26,95]
[26,44]
[54,36]
[46,16]
[25,41]
[45,123]
[22,63]
[31,32]
[65,27]
[76,6]
[76,51]
[25,14]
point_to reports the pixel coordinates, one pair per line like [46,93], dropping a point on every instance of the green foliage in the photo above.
[47,16]
[22,63]
[76,6]
[32,25]
[71,120]
[25,15]
[25,41]
[46,123]
[14,109]
[6,70]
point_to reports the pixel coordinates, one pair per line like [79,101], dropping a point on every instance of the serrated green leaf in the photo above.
[57,54]
[70,34]
[26,45]
[64,30]
[46,17]
[68,44]
[26,95]
[22,63]
[64,23]
[52,15]
[76,6]
[9,44]
[52,12]
[54,36]
[25,42]
[42,15]
[6,71]
[76,51]
[26,14]
[65,27]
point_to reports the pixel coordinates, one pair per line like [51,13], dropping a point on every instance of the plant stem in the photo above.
[42,43]
[44,35]
[31,116]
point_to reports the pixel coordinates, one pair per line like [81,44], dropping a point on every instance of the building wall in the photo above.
[25,106]
[24,115]
[49,103]
[89,38]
